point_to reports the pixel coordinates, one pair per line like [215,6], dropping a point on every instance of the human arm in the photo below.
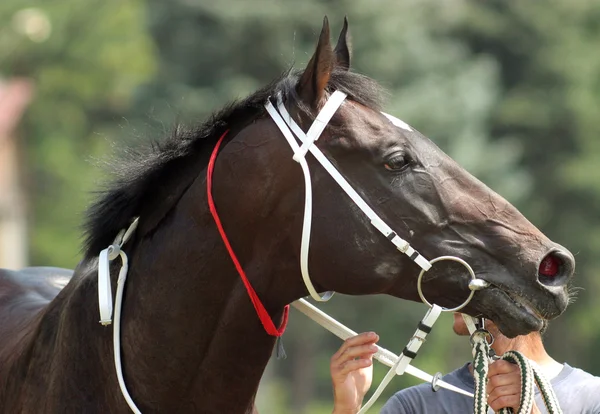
[351,371]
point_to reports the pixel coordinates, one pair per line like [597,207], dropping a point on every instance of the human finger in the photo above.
[512,389]
[501,367]
[505,396]
[360,339]
[499,380]
[354,352]
[355,365]
[506,401]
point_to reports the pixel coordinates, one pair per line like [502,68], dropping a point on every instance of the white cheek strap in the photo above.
[285,122]
[306,225]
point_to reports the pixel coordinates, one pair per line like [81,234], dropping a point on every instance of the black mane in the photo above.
[146,177]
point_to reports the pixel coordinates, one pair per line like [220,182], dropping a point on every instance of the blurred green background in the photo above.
[511,90]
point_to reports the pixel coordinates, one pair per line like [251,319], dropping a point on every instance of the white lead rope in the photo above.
[383,355]
[401,364]
[407,355]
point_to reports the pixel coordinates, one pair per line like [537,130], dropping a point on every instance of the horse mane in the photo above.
[144,176]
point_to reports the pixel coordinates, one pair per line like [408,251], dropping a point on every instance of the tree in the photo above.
[550,101]
[85,67]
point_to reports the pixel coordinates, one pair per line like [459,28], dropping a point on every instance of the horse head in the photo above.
[426,197]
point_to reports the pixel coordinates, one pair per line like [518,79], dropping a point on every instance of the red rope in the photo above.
[262,313]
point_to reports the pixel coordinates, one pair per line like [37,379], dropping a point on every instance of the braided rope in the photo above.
[481,350]
[526,382]
[549,397]
[529,373]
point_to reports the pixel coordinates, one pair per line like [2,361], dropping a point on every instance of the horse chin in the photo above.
[511,314]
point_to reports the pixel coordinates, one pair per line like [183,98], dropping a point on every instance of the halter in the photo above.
[289,128]
[292,132]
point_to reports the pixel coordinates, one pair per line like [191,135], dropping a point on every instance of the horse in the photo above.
[191,338]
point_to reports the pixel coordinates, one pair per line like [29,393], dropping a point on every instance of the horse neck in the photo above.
[191,337]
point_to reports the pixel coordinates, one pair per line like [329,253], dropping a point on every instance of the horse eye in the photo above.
[397,163]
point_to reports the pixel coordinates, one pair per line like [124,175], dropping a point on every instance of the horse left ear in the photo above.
[342,49]
[312,83]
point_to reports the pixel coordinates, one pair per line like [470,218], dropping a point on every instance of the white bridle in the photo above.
[399,364]
[289,128]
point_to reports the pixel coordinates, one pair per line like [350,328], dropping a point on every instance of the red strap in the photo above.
[263,315]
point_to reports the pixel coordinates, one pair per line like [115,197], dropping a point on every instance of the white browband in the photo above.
[289,128]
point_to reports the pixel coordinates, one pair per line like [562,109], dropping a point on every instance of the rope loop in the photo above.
[529,373]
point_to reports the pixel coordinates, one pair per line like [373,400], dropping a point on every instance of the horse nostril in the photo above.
[556,268]
[549,266]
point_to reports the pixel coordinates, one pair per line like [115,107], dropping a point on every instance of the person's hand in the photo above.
[352,372]
[504,387]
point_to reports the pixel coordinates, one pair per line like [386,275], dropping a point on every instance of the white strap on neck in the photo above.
[289,128]
[105,301]
[104,287]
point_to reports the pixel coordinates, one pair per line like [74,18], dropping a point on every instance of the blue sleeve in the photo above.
[422,399]
[396,405]
[588,398]
[578,392]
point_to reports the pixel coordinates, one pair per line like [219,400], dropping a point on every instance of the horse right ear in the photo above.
[342,49]
[312,83]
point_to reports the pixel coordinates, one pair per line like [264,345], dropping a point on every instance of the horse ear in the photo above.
[312,83]
[342,49]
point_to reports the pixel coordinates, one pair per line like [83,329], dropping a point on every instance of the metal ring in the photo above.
[454,259]
[434,382]
[485,333]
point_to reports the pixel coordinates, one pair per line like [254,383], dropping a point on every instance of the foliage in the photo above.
[85,74]
[551,98]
